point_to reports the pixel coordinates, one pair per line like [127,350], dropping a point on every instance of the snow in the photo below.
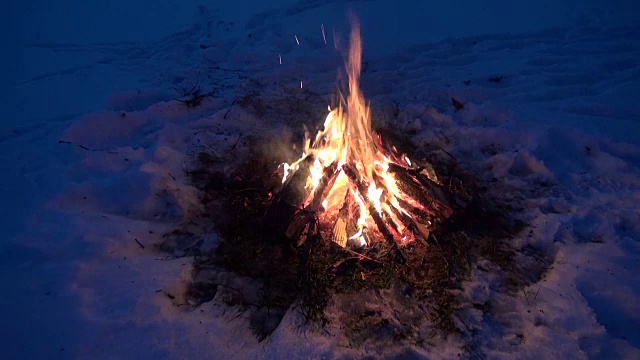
[559,131]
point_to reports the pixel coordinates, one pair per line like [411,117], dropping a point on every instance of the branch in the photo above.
[230,108]
[362,189]
[86,148]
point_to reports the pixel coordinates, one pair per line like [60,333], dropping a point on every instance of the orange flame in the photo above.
[347,138]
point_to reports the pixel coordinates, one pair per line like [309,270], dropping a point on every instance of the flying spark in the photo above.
[324,37]
[297,41]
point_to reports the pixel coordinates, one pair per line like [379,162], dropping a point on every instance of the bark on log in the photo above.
[424,215]
[289,200]
[293,191]
[304,275]
[297,225]
[301,219]
[433,195]
[339,230]
[420,230]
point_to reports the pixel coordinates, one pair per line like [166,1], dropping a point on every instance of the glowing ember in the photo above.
[350,160]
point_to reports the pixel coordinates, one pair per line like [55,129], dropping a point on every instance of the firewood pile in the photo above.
[290,216]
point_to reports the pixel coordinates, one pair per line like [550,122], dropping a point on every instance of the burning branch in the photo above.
[434,195]
[305,216]
[326,182]
[382,227]
[288,201]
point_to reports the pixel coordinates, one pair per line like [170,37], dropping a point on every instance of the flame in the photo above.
[347,139]
[288,169]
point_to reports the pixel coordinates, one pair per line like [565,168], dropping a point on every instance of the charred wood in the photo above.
[294,189]
[289,200]
[424,215]
[433,195]
[297,225]
[302,218]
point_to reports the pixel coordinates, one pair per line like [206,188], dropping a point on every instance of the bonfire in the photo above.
[352,186]
[340,218]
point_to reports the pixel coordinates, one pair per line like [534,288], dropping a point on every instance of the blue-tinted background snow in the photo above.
[566,113]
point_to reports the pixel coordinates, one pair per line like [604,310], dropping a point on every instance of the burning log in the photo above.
[435,197]
[420,230]
[305,216]
[328,179]
[289,200]
[382,227]
[294,190]
[422,213]
[440,200]
[297,225]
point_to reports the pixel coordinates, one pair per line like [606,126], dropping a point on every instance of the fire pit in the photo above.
[352,215]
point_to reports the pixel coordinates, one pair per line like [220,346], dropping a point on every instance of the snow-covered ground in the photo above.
[561,129]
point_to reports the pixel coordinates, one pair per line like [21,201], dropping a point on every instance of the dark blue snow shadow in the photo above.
[40,307]
[137,100]
[590,227]
[563,151]
[630,153]
[612,307]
